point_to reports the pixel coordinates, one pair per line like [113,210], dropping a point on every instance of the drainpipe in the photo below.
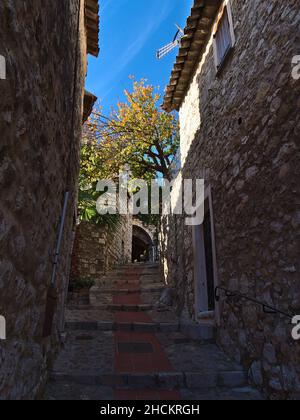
[59,241]
[52,296]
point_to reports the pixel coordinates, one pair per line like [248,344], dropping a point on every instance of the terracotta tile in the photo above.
[129,299]
[169,396]
[134,337]
[124,364]
[132,317]
[133,286]
[147,395]
[141,363]
[124,395]
[138,362]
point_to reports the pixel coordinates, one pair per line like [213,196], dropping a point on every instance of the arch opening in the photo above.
[142,245]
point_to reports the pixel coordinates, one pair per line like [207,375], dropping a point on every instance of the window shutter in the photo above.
[223,38]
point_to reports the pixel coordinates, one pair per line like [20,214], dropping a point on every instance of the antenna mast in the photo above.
[162,52]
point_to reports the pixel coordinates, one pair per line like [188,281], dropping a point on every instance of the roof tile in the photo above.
[192,45]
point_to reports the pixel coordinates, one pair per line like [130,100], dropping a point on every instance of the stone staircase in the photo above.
[124,346]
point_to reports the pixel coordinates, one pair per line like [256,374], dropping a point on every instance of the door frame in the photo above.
[200,287]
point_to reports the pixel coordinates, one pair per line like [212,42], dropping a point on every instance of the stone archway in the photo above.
[142,243]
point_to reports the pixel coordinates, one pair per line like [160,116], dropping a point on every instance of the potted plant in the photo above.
[80,290]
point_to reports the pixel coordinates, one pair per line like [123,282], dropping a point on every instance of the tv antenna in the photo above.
[162,52]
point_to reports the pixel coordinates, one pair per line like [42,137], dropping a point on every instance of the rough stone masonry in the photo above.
[241,130]
[44,45]
[98,249]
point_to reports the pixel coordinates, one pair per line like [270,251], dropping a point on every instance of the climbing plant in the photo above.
[87,210]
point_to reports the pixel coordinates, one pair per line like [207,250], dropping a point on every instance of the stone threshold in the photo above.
[164,380]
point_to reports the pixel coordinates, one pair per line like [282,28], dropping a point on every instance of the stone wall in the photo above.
[40,125]
[246,145]
[119,244]
[98,249]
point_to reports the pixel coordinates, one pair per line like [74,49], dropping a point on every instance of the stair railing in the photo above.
[267,309]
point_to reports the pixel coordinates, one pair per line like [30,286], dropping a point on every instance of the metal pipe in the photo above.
[59,241]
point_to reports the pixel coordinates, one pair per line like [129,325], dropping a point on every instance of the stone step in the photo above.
[141,327]
[244,393]
[159,380]
[197,332]
[127,274]
[130,280]
[87,360]
[129,286]
[139,265]
[65,391]
[70,391]
[100,290]
[112,307]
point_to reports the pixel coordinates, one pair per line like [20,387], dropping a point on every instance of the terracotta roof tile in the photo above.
[88,104]
[192,45]
[92,23]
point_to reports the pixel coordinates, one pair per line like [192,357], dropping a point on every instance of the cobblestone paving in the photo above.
[87,353]
[68,391]
[219,394]
[88,315]
[192,356]
[119,355]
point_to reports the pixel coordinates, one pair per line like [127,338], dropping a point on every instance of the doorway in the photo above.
[142,245]
[205,267]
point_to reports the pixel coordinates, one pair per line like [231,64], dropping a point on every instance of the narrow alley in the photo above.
[125,345]
[149,201]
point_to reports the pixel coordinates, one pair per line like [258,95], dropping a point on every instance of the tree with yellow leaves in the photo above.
[138,133]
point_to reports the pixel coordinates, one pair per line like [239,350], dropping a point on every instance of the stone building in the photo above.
[44,46]
[240,128]
[100,249]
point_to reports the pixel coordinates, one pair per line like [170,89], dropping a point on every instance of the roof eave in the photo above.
[92,24]
[88,104]
[192,47]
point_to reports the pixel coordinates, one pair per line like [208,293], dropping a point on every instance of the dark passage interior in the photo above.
[141,245]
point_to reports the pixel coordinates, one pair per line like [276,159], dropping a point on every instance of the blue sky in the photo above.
[130,33]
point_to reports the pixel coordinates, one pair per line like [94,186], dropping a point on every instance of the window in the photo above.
[224,36]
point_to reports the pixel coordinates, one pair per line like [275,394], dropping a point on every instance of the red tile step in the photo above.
[138,353]
[130,299]
[135,362]
[147,395]
[131,317]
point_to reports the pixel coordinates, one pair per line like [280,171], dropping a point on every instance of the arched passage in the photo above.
[142,244]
